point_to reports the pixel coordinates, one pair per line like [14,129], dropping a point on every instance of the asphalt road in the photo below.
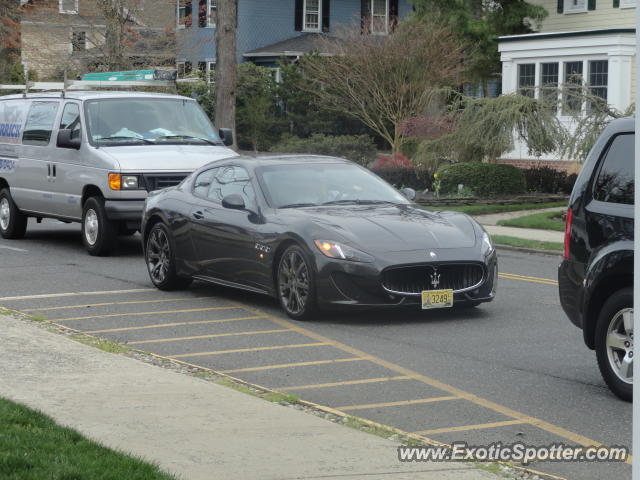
[512,370]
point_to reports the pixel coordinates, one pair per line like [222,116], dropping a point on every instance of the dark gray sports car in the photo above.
[315,232]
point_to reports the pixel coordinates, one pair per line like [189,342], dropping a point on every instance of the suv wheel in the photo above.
[13,224]
[614,343]
[98,233]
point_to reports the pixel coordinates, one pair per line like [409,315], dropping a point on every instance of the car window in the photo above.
[37,130]
[615,182]
[71,119]
[229,180]
[203,182]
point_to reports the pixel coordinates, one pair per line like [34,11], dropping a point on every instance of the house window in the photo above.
[527,79]
[312,15]
[212,13]
[79,41]
[184,69]
[184,13]
[575,6]
[211,72]
[598,79]
[573,83]
[68,6]
[549,78]
[380,16]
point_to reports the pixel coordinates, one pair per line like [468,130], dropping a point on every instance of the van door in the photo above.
[33,188]
[68,167]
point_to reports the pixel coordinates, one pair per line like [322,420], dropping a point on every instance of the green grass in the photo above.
[542,221]
[33,447]
[524,243]
[104,345]
[487,209]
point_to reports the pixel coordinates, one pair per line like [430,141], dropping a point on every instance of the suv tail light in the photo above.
[567,234]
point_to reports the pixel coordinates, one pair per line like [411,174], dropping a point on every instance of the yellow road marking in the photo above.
[175,324]
[255,349]
[463,428]
[348,382]
[291,365]
[400,403]
[543,425]
[133,302]
[161,312]
[215,335]
[544,281]
[77,294]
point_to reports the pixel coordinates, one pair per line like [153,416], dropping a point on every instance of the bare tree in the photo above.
[226,71]
[385,81]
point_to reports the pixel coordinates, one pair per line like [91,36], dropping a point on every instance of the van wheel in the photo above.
[13,224]
[99,235]
[614,343]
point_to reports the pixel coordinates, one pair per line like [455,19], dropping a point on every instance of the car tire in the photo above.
[295,283]
[99,234]
[13,223]
[614,342]
[159,254]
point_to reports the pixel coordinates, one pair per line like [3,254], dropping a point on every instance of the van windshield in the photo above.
[157,121]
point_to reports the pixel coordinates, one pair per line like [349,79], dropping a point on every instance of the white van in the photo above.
[92,157]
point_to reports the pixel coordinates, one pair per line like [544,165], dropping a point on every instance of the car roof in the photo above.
[626,124]
[289,159]
[91,95]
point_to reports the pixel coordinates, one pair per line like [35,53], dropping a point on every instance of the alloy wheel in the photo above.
[619,344]
[5,213]
[294,283]
[91,226]
[158,255]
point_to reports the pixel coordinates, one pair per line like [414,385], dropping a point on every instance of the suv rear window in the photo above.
[615,182]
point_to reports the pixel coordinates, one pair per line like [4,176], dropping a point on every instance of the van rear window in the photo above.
[39,126]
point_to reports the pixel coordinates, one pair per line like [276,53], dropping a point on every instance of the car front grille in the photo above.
[158,181]
[412,280]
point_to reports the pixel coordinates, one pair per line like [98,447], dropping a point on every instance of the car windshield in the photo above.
[313,184]
[148,121]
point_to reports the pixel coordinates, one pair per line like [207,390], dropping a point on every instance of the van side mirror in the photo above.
[227,136]
[65,140]
[234,202]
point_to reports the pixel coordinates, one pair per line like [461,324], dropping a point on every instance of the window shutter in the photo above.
[560,6]
[326,15]
[616,3]
[364,14]
[298,15]
[393,12]
[592,5]
[188,12]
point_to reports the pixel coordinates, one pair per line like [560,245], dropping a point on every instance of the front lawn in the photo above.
[34,447]
[541,221]
[488,209]
[524,243]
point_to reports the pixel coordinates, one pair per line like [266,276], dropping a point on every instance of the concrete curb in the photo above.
[534,251]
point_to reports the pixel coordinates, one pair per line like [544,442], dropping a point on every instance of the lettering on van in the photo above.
[7,165]
[12,114]
[10,132]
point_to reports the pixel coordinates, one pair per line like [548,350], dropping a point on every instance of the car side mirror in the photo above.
[65,140]
[227,136]
[234,202]
[409,194]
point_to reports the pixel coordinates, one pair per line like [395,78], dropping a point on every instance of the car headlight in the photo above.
[123,182]
[487,244]
[342,252]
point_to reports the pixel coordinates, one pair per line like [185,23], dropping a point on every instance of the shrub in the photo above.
[357,148]
[397,160]
[545,179]
[401,177]
[570,181]
[484,179]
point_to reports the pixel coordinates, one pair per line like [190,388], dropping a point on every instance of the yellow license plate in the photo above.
[437,299]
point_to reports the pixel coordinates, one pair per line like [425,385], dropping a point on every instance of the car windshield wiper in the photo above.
[298,205]
[121,137]
[358,202]
[187,137]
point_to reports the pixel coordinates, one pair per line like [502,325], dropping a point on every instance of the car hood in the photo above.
[393,228]
[166,158]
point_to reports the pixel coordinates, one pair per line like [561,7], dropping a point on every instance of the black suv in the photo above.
[596,275]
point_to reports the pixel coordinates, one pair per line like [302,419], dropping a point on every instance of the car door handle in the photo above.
[48,170]
[53,166]
[198,215]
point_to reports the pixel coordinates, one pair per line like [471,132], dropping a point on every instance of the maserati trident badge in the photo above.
[433,255]
[435,279]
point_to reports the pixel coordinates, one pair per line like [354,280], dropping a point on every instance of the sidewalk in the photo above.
[192,428]
[490,224]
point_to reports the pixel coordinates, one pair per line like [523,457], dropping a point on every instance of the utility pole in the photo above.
[226,69]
